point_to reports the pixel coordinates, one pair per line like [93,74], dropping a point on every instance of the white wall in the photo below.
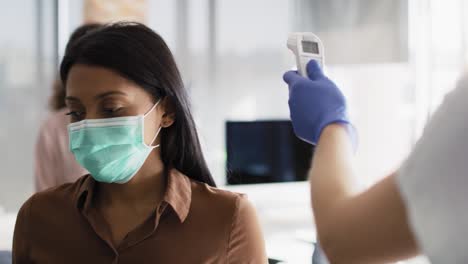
[22,97]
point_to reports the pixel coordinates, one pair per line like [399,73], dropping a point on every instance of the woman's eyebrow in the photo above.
[71,98]
[97,97]
[100,96]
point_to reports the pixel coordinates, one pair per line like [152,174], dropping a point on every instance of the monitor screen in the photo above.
[265,152]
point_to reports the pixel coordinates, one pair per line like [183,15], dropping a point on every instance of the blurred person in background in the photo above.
[149,197]
[54,163]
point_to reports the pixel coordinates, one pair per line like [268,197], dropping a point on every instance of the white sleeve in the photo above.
[434,181]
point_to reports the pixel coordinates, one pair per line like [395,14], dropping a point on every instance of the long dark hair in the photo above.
[57,99]
[140,55]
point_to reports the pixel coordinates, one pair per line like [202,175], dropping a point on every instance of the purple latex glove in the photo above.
[314,103]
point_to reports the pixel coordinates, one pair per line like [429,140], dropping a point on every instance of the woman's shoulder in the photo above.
[220,201]
[231,214]
[205,190]
[55,198]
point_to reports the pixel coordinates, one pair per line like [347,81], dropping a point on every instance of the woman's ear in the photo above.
[168,117]
[167,120]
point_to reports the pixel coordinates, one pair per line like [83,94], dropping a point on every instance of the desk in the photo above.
[285,214]
[286,218]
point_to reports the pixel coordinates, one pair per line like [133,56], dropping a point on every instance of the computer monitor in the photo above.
[265,152]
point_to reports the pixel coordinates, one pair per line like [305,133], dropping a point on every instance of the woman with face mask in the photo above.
[150,197]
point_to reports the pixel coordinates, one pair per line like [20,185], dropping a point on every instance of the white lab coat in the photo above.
[433,181]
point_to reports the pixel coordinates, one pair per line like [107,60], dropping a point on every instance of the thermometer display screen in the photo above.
[310,47]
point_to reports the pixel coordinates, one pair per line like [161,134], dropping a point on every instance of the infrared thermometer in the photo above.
[306,46]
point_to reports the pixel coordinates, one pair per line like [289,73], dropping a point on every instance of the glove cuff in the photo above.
[350,128]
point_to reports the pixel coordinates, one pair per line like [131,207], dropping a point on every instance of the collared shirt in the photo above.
[195,223]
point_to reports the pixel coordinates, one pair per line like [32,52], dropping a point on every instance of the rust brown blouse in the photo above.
[195,223]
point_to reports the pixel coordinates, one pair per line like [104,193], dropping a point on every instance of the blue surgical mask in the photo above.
[112,149]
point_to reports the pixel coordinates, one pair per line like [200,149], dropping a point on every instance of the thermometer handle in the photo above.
[302,62]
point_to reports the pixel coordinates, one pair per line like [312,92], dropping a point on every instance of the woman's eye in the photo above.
[75,115]
[112,111]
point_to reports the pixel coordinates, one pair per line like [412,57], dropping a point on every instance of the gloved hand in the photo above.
[314,103]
